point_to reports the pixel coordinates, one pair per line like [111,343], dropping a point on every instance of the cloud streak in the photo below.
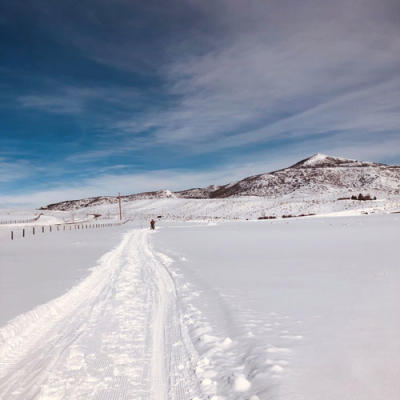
[301,77]
[115,179]
[12,171]
[111,183]
[193,86]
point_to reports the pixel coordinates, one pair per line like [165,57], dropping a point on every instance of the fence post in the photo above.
[12,235]
[42,229]
[33,230]
[23,232]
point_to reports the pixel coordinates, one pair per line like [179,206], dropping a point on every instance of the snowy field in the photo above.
[312,306]
[242,207]
[284,309]
[39,268]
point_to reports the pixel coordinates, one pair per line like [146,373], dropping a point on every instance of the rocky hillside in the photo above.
[316,176]
[319,175]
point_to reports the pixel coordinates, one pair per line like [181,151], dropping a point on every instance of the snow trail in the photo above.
[117,334]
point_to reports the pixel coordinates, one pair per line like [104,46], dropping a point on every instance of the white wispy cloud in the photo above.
[52,103]
[76,100]
[110,183]
[12,170]
[296,76]
[262,71]
[292,78]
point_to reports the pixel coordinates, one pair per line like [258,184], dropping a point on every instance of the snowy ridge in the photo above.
[311,181]
[322,160]
[319,176]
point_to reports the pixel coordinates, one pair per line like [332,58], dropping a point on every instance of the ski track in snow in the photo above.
[252,364]
[118,334]
[131,330]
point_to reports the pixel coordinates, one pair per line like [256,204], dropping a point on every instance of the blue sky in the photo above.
[102,96]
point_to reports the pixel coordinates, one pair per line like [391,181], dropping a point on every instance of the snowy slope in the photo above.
[240,207]
[322,160]
[318,177]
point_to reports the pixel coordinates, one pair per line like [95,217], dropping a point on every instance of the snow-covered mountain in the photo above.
[319,175]
[314,177]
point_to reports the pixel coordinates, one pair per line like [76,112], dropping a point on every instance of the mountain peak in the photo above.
[322,160]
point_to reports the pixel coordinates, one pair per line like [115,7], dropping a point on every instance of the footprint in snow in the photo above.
[273,349]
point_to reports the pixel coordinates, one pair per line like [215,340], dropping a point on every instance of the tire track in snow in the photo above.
[117,334]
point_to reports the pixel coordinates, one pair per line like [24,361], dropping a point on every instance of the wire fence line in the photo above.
[37,229]
[21,221]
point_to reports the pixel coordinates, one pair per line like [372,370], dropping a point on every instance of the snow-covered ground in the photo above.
[39,268]
[229,208]
[283,309]
[310,308]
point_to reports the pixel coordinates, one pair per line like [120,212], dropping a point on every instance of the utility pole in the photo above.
[120,209]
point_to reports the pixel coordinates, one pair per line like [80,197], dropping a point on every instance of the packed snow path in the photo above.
[116,335]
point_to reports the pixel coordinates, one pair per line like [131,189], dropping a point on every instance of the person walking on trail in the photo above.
[152,224]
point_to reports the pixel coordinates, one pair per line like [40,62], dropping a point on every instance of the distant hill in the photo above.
[318,175]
